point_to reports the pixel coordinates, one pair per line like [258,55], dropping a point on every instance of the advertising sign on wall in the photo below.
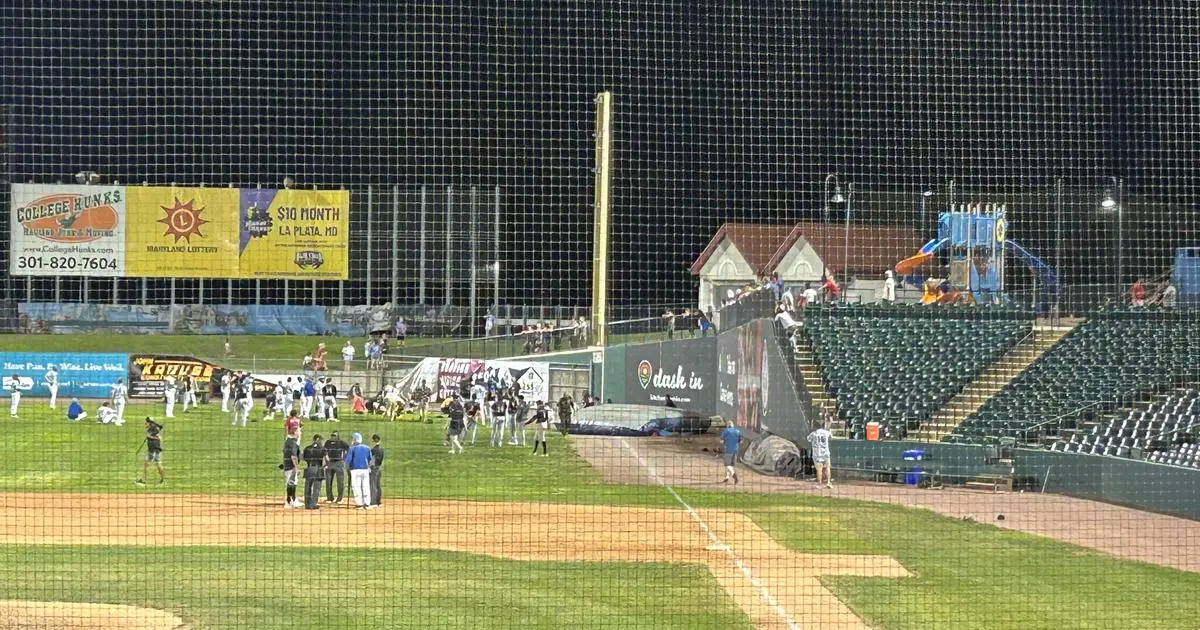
[293,233]
[59,230]
[80,375]
[683,370]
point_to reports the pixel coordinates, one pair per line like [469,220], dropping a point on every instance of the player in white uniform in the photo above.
[479,395]
[106,414]
[278,401]
[52,385]
[226,382]
[14,393]
[189,392]
[118,399]
[169,393]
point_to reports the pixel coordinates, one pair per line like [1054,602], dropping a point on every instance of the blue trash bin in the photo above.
[913,474]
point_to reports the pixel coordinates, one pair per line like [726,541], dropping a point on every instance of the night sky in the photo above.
[724,113]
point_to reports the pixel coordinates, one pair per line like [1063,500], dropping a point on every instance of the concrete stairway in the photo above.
[993,379]
[811,374]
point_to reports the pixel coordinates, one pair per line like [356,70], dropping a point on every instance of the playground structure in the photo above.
[975,237]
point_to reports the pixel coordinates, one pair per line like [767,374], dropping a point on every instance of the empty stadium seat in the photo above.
[898,364]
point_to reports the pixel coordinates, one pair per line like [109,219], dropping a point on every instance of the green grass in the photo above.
[966,575]
[265,588]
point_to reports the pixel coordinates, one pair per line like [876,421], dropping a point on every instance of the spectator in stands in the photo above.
[810,295]
[669,319]
[1137,293]
[704,325]
[776,284]
[784,320]
[788,300]
[831,289]
[889,286]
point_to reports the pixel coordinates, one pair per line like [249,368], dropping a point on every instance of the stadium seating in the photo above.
[898,364]
[1114,359]
[1164,431]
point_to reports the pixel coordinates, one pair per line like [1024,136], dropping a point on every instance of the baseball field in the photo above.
[597,535]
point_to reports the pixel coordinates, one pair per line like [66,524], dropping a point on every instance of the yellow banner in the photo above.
[294,234]
[181,232]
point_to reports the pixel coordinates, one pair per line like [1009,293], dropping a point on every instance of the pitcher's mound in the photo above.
[21,615]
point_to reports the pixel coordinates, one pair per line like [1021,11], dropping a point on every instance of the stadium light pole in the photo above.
[600,212]
[828,199]
[846,236]
[1114,201]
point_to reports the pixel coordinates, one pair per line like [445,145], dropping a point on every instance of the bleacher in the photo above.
[898,364]
[1164,431]
[1114,359]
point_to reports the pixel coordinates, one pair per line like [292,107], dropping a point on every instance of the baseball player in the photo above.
[118,399]
[169,394]
[106,414]
[296,390]
[540,421]
[189,392]
[290,468]
[153,452]
[479,394]
[307,398]
[454,408]
[329,400]
[52,385]
[226,385]
[14,394]
[245,399]
[472,409]
[499,418]
[516,422]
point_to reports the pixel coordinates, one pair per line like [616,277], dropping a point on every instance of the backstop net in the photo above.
[597,297]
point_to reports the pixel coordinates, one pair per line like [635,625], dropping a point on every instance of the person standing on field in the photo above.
[52,385]
[336,448]
[376,471]
[731,439]
[315,461]
[118,399]
[226,384]
[169,394]
[14,395]
[189,392]
[329,401]
[499,418]
[306,400]
[291,469]
[540,421]
[153,452]
[818,442]
[348,355]
[358,460]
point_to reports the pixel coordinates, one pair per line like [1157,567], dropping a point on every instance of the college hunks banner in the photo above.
[59,230]
[168,231]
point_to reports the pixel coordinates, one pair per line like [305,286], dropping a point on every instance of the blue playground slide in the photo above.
[1046,275]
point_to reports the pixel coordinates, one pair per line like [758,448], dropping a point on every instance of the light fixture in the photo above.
[837,197]
[1109,202]
[288,183]
[927,193]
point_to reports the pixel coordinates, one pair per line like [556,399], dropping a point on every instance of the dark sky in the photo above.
[725,111]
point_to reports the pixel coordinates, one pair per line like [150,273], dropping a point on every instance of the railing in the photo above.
[1057,419]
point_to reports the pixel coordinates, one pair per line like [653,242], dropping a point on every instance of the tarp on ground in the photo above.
[775,456]
[636,421]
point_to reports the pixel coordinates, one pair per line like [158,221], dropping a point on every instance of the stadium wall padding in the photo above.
[1141,485]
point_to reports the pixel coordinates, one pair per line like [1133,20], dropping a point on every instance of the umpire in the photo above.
[335,450]
[315,462]
[376,470]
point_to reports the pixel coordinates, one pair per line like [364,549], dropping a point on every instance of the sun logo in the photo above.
[182,220]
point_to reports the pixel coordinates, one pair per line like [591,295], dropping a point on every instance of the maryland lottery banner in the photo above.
[169,231]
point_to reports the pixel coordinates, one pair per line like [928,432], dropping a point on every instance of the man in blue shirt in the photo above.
[75,412]
[731,439]
[358,459]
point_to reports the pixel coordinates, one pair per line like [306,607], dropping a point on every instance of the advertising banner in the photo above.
[59,230]
[683,370]
[80,375]
[181,232]
[70,318]
[740,369]
[147,371]
[293,233]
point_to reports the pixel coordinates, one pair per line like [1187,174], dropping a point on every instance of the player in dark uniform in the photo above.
[472,414]
[335,449]
[315,462]
[566,407]
[376,470]
[153,452]
[291,469]
[455,409]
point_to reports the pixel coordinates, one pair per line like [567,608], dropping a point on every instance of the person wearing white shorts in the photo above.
[818,442]
[52,385]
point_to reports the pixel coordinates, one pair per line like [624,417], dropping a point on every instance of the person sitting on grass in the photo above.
[75,412]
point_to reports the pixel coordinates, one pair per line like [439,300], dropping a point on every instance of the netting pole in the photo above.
[846,239]
[421,251]
[496,257]
[395,244]
[449,238]
[1058,219]
[472,294]
[604,104]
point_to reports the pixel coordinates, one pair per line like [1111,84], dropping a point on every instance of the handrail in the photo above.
[1039,425]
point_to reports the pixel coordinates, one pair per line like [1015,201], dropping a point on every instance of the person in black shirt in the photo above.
[315,462]
[335,449]
[670,403]
[499,419]
[153,452]
[329,400]
[291,469]
[454,408]
[472,412]
[566,407]
[540,421]
[376,470]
